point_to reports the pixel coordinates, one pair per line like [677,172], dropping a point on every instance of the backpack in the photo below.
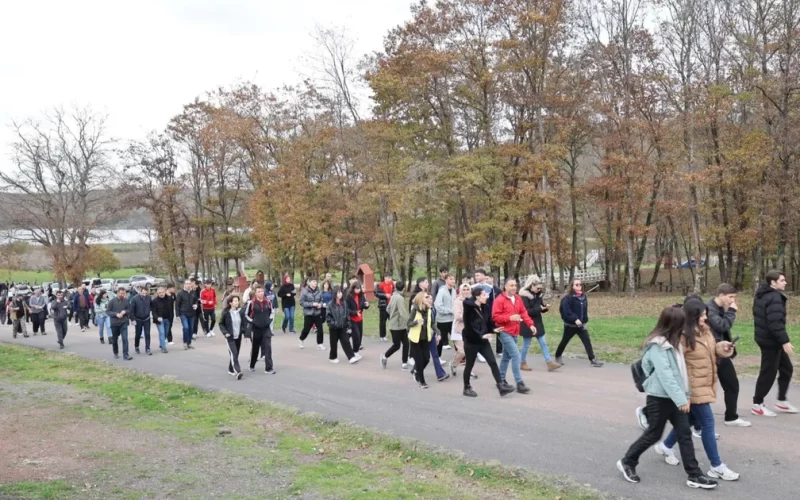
[638,375]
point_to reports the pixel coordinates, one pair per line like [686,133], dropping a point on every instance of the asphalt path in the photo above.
[576,422]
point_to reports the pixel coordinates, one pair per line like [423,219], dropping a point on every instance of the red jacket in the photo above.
[208,299]
[502,311]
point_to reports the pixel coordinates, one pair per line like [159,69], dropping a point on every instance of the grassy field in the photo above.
[80,429]
[41,276]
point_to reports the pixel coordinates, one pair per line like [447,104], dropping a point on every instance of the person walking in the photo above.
[168,318]
[769,316]
[356,305]
[101,315]
[420,333]
[185,307]
[208,303]
[574,311]
[398,326]
[465,292]
[232,326]
[422,286]
[59,310]
[311,302]
[4,306]
[338,318]
[287,294]
[258,314]
[443,305]
[19,309]
[118,311]
[161,306]
[701,351]
[439,283]
[486,282]
[141,309]
[81,303]
[38,307]
[327,296]
[384,292]
[667,389]
[476,340]
[508,313]
[273,299]
[198,311]
[532,297]
[721,316]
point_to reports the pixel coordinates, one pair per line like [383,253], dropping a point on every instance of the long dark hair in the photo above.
[228,301]
[352,289]
[693,309]
[670,326]
[99,297]
[335,291]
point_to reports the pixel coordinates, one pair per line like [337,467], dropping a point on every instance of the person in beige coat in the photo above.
[701,352]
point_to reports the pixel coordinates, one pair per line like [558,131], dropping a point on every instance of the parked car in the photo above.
[92,284]
[146,280]
[107,284]
[21,290]
[690,263]
[125,284]
[201,278]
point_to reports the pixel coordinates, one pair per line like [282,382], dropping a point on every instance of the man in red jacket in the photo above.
[508,312]
[208,302]
[384,292]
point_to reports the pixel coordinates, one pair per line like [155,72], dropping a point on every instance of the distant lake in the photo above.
[103,237]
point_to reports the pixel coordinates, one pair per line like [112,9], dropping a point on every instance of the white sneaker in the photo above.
[446,347]
[642,419]
[699,434]
[194,336]
[738,423]
[320,347]
[762,411]
[355,359]
[171,343]
[334,361]
[785,407]
[442,361]
[212,333]
[405,367]
[384,339]
[208,335]
[481,359]
[667,453]
[300,344]
[724,473]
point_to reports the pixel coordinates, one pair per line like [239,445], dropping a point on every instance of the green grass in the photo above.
[41,276]
[32,490]
[326,458]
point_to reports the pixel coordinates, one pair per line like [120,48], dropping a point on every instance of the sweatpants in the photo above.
[399,338]
[234,346]
[262,338]
[116,333]
[729,381]
[444,332]
[61,329]
[340,336]
[355,335]
[209,320]
[142,326]
[571,331]
[484,349]
[421,353]
[659,412]
[774,362]
[312,321]
[383,318]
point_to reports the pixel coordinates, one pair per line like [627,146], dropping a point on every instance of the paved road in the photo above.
[576,422]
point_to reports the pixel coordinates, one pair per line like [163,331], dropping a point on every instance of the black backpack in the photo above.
[638,375]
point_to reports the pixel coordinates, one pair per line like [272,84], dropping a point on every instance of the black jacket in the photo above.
[287,293]
[140,308]
[169,313]
[475,323]
[184,302]
[721,321]
[59,310]
[259,315]
[534,304]
[226,323]
[338,315]
[116,306]
[769,316]
[574,307]
[161,308]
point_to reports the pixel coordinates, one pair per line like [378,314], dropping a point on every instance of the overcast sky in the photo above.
[140,61]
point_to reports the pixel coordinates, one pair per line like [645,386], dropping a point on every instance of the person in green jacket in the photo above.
[397,311]
[667,388]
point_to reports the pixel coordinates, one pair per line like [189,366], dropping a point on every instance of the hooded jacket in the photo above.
[662,364]
[769,316]
[720,321]
[534,304]
[398,313]
[208,299]
[287,293]
[475,323]
[443,304]
[701,363]
[308,298]
[259,315]
[384,291]
[270,295]
[574,307]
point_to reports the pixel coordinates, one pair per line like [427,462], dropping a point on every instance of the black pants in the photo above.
[209,320]
[421,353]
[340,335]
[383,318]
[471,352]
[730,385]
[38,319]
[355,335]
[571,331]
[310,321]
[444,332]
[61,329]
[659,412]
[234,346]
[116,333]
[262,338]
[198,316]
[774,361]
[142,327]
[169,330]
[83,318]
[399,338]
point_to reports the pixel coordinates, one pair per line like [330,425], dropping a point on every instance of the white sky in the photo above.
[140,61]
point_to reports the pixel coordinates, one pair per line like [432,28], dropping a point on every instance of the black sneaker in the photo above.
[522,388]
[189,346]
[270,372]
[701,482]
[252,370]
[60,345]
[164,351]
[44,333]
[468,392]
[26,335]
[231,372]
[453,371]
[149,353]
[128,358]
[504,389]
[628,472]
[239,376]
[596,363]
[102,340]
[137,350]
[423,386]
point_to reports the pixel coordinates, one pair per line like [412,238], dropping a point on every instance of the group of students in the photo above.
[691,349]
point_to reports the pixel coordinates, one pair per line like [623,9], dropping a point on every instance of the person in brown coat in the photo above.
[701,352]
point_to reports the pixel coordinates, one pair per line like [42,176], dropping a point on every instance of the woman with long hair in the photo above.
[100,315]
[338,318]
[420,332]
[532,296]
[667,388]
[575,314]
[356,304]
[287,293]
[233,326]
[476,337]
[464,292]
[701,352]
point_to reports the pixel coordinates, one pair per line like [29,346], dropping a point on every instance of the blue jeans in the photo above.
[186,323]
[703,416]
[510,353]
[163,327]
[288,318]
[437,365]
[104,323]
[526,345]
